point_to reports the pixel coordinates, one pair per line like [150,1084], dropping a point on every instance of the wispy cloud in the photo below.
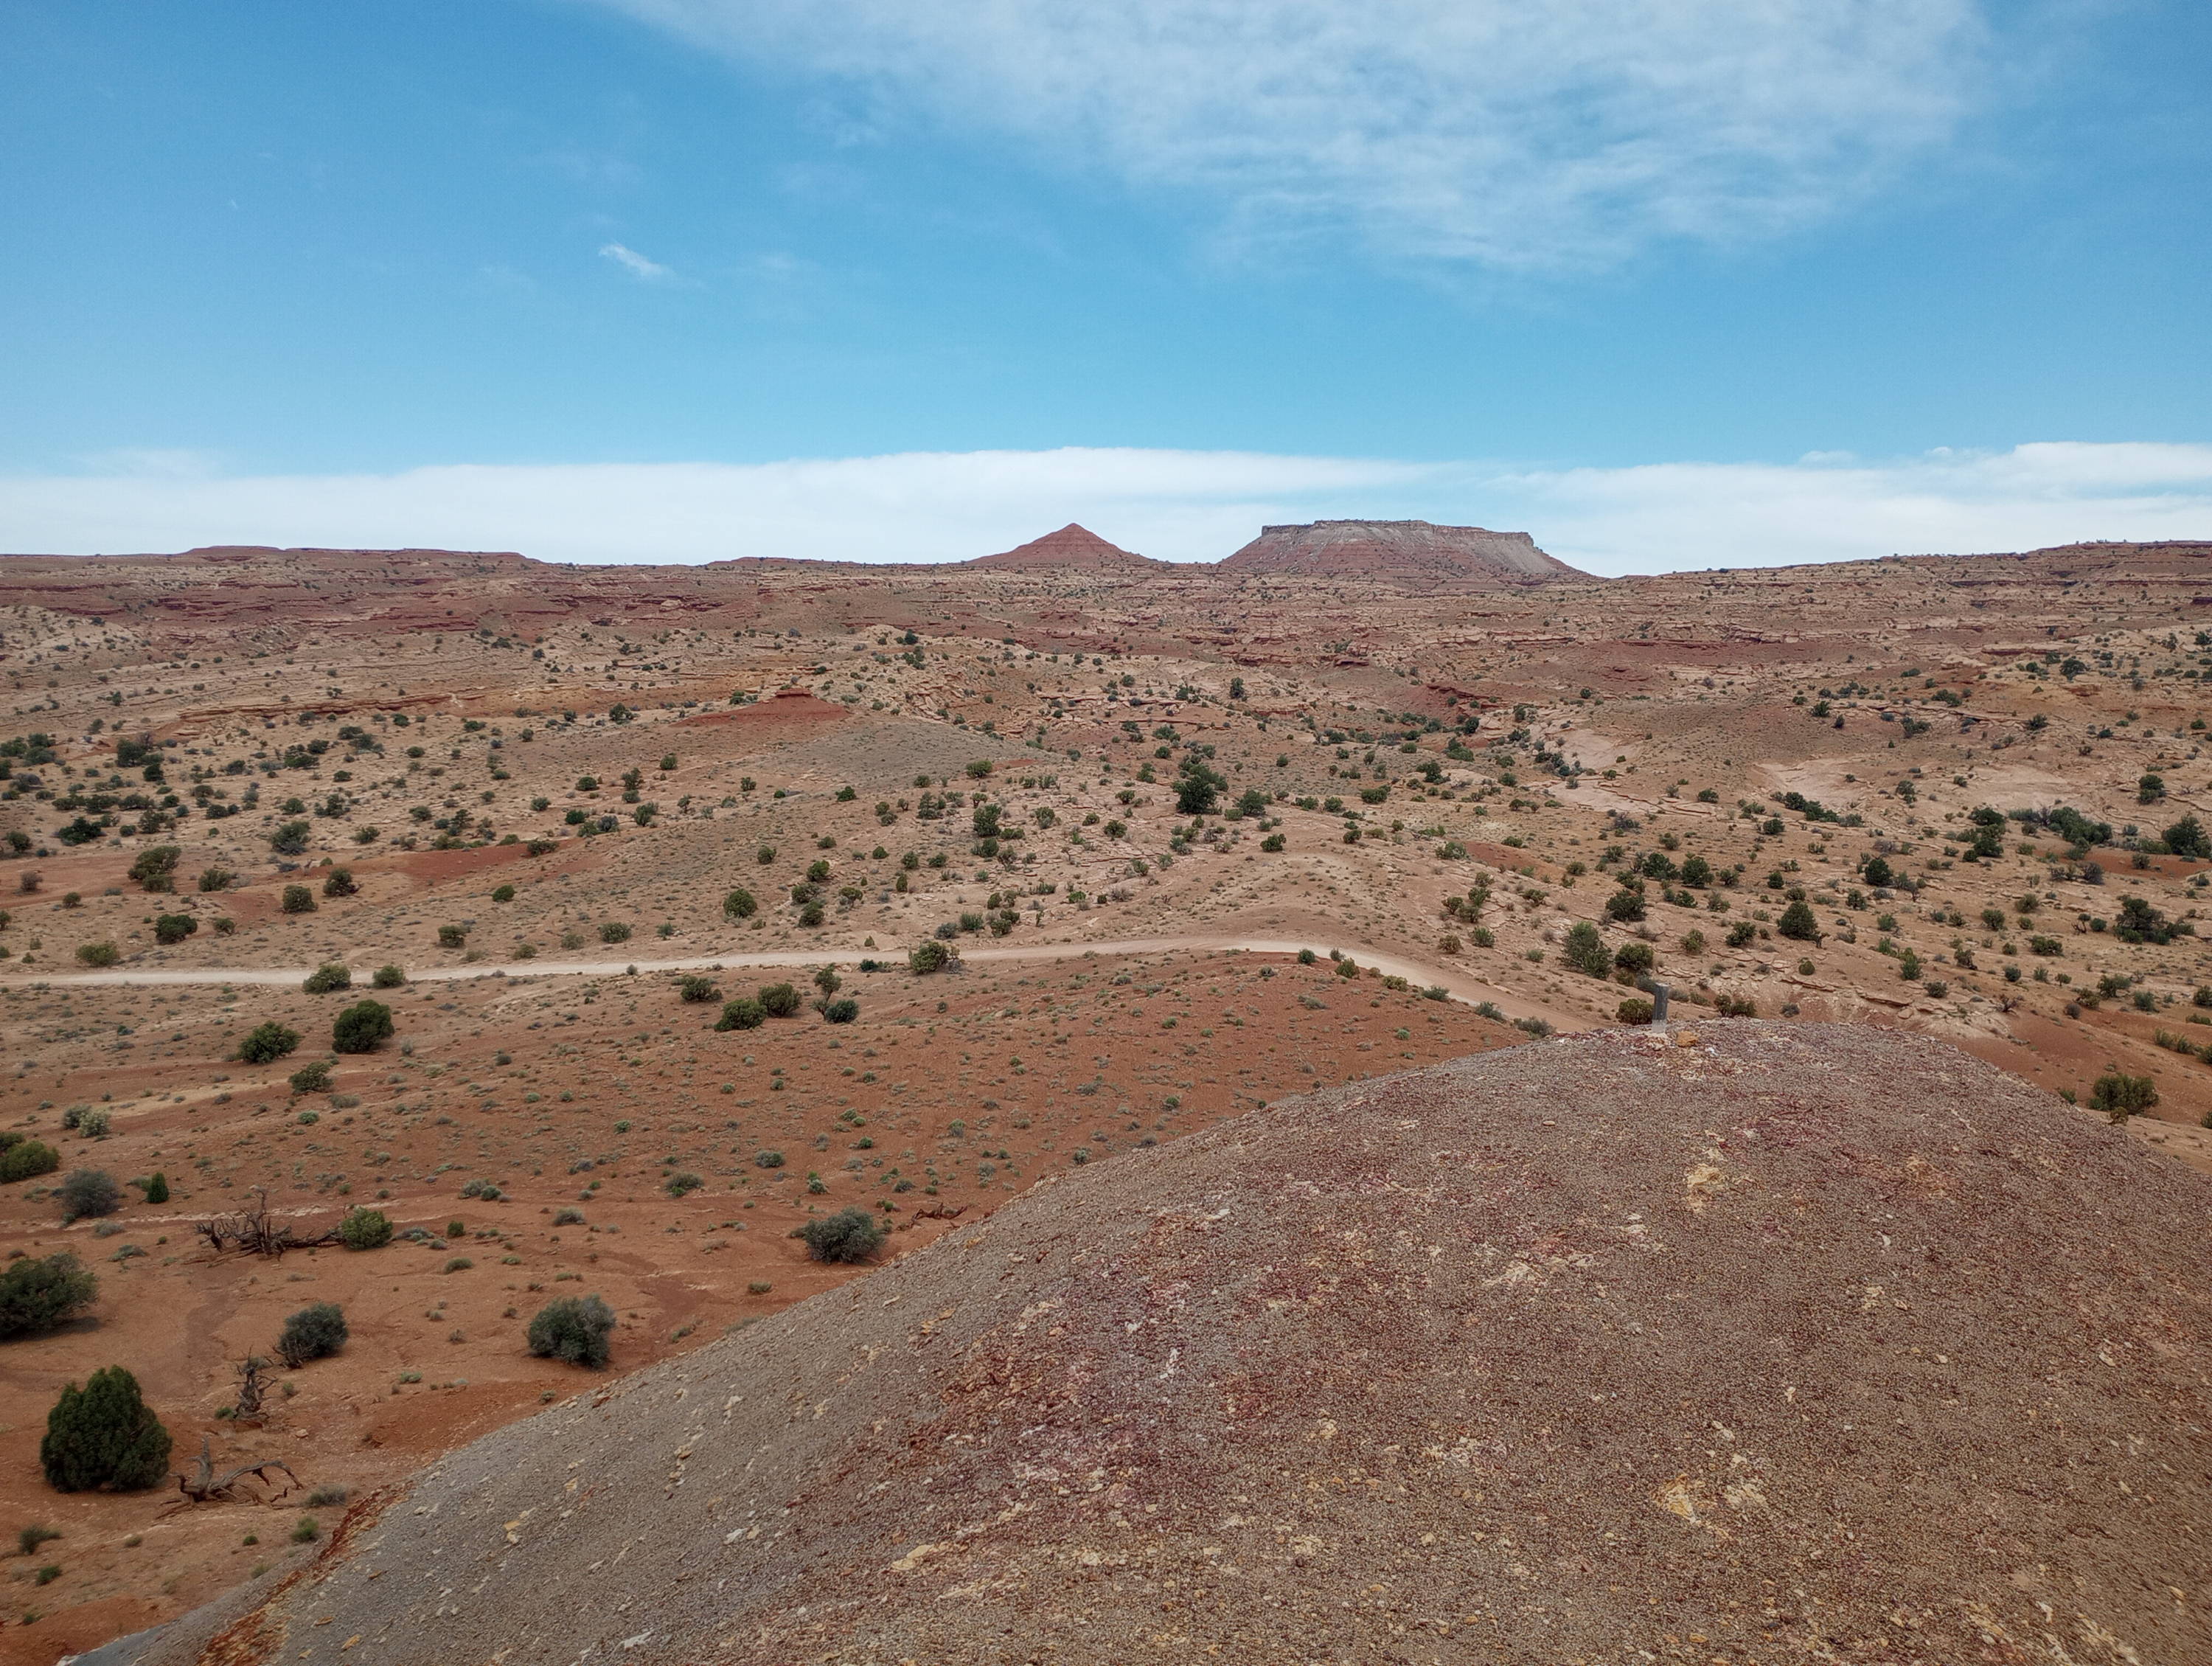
[1177,505]
[1517,136]
[649,272]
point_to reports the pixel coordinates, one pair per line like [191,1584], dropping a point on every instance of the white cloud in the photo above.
[651,271]
[1514,133]
[1176,505]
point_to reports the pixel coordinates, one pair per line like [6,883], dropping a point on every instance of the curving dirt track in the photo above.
[1456,985]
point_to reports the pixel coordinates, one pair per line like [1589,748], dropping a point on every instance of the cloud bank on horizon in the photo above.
[1173,505]
[1491,131]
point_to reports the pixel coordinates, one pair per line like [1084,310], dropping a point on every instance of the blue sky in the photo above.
[400,273]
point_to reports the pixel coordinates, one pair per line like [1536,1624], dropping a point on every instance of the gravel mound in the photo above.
[1783,1343]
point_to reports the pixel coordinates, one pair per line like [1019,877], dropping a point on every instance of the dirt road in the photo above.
[1455,983]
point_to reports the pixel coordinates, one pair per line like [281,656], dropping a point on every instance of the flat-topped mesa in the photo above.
[1072,548]
[1405,550]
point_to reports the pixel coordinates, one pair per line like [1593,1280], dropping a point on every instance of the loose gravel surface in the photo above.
[1759,1344]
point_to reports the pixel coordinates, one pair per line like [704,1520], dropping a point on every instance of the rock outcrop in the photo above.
[1777,1343]
[1403,549]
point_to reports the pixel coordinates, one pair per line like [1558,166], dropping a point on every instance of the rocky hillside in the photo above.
[1771,1343]
[1398,550]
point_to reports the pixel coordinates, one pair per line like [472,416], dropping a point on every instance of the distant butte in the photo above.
[1073,548]
[1401,550]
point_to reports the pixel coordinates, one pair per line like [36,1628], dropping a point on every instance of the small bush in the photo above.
[360,1027]
[850,1235]
[388,977]
[574,1330]
[768,1160]
[104,1435]
[216,879]
[87,1194]
[328,979]
[98,954]
[614,931]
[842,1011]
[173,928]
[30,1538]
[678,1184]
[312,1078]
[1635,1010]
[290,839]
[696,990]
[453,937]
[740,904]
[339,882]
[298,899]
[568,1217]
[2120,1096]
[743,1013]
[779,1000]
[37,1295]
[156,867]
[932,955]
[157,1189]
[365,1229]
[315,1332]
[267,1042]
[1798,922]
[503,893]
[29,1158]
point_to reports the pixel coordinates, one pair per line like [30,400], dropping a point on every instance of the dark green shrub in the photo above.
[37,1295]
[298,899]
[98,954]
[1585,949]
[842,1011]
[743,1013]
[388,977]
[740,904]
[156,867]
[1635,1010]
[779,1000]
[157,1189]
[614,931]
[365,1229]
[1632,958]
[360,1027]
[852,1234]
[678,1184]
[86,1193]
[104,1435]
[453,937]
[267,1042]
[2120,1096]
[169,928]
[290,839]
[29,1158]
[574,1330]
[696,990]
[315,1332]
[216,879]
[932,955]
[313,1077]
[339,882]
[768,1160]
[328,979]
[1797,922]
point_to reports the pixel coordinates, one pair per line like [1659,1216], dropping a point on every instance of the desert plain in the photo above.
[1064,853]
